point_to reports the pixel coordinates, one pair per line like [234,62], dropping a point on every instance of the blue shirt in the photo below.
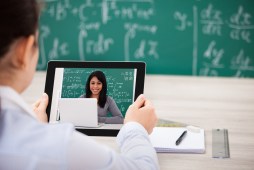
[26,143]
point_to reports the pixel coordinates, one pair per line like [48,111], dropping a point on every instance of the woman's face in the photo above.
[95,86]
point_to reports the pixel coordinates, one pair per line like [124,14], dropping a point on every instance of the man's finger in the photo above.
[43,102]
[148,103]
[37,103]
[139,101]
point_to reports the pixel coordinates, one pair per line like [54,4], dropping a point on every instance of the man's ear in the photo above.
[24,50]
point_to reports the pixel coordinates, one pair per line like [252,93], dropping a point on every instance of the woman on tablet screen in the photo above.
[96,87]
[26,139]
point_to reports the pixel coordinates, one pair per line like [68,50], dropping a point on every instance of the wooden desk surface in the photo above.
[205,102]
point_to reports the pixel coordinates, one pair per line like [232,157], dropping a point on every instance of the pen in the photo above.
[179,140]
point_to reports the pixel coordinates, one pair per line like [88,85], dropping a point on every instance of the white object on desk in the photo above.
[164,140]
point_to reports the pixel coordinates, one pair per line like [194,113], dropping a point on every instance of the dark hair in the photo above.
[103,94]
[19,18]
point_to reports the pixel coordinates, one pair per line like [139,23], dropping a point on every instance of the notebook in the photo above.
[82,112]
[164,140]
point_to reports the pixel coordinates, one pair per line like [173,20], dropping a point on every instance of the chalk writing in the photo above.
[44,33]
[194,38]
[132,29]
[183,21]
[242,62]
[212,60]
[241,25]
[214,55]
[207,71]
[58,49]
[140,51]
[99,46]
[59,10]
[110,10]
[211,20]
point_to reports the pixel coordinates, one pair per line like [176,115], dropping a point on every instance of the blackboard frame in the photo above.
[50,77]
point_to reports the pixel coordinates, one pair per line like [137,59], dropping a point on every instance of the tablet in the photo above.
[116,85]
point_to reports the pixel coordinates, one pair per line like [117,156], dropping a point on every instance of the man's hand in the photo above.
[142,111]
[39,108]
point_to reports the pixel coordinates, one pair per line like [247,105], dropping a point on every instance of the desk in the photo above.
[201,101]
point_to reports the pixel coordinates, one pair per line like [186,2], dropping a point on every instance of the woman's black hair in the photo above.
[103,94]
[19,18]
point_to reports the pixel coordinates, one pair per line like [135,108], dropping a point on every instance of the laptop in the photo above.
[81,112]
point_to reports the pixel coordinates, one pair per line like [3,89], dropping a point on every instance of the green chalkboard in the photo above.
[120,84]
[180,37]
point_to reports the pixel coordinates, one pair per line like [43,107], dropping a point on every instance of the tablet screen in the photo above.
[115,85]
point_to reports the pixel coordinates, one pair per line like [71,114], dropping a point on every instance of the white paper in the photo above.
[164,138]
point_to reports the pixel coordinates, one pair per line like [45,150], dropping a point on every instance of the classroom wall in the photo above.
[176,37]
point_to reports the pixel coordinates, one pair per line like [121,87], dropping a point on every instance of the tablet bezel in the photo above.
[50,77]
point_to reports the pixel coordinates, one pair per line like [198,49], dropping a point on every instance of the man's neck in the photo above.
[8,79]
